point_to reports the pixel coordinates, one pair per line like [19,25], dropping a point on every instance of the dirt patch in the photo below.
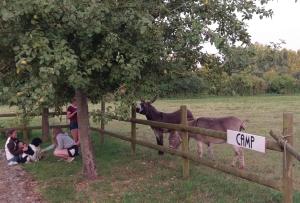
[16,185]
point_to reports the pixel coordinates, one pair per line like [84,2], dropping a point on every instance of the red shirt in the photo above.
[72,109]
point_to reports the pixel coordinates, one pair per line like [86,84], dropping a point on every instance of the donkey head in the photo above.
[145,107]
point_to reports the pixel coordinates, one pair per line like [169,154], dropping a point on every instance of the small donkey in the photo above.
[220,124]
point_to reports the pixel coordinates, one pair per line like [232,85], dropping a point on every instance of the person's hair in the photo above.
[10,131]
[56,131]
[36,141]
[73,99]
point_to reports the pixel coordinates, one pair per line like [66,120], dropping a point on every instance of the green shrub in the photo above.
[185,85]
[247,84]
[217,81]
[280,84]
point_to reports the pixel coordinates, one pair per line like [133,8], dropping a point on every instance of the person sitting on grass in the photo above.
[65,146]
[14,148]
[33,152]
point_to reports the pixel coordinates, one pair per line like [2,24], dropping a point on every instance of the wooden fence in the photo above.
[283,145]
[45,127]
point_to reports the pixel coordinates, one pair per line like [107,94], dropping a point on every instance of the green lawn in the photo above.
[148,177]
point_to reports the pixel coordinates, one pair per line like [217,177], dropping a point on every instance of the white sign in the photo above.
[245,140]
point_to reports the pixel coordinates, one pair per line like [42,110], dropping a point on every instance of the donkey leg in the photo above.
[200,149]
[235,157]
[174,140]
[241,158]
[210,151]
[159,140]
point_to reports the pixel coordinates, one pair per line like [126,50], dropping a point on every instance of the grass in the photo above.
[148,177]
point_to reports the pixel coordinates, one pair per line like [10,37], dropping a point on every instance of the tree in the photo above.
[55,48]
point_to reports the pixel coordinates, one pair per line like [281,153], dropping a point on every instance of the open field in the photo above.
[148,177]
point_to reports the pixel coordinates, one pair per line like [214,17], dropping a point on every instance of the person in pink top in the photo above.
[72,116]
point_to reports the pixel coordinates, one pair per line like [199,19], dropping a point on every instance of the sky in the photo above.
[283,25]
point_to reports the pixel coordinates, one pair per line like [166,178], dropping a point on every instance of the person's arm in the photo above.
[13,148]
[69,114]
[50,147]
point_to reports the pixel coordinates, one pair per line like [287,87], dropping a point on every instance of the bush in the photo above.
[186,85]
[217,81]
[280,84]
[246,84]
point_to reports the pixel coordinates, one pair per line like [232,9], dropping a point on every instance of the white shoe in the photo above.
[11,163]
[70,159]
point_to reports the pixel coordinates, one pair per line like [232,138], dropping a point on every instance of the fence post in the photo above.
[287,178]
[133,129]
[25,133]
[45,124]
[185,143]
[102,121]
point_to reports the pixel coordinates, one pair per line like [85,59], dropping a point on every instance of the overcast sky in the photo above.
[283,25]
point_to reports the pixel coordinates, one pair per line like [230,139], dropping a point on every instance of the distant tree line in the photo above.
[252,70]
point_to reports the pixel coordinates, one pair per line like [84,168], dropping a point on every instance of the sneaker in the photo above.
[70,159]
[11,163]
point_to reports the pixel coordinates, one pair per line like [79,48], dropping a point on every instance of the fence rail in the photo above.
[280,145]
[212,164]
[283,144]
[286,183]
[33,127]
[6,115]
[270,144]
[45,114]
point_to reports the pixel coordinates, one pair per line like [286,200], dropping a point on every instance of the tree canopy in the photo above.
[50,48]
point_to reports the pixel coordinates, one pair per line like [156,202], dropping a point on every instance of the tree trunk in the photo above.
[89,166]
[45,124]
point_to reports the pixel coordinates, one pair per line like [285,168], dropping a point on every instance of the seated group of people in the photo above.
[19,152]
[65,147]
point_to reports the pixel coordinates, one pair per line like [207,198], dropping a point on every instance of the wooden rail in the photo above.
[33,127]
[271,145]
[227,169]
[289,147]
[2,115]
[286,184]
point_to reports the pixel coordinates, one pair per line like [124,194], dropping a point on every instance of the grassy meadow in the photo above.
[148,177]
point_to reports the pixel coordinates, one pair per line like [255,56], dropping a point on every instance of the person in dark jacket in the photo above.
[13,148]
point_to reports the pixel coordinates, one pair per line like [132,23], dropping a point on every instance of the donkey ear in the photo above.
[154,99]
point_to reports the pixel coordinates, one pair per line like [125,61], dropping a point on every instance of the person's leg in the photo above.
[61,153]
[74,132]
[13,161]
[75,135]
